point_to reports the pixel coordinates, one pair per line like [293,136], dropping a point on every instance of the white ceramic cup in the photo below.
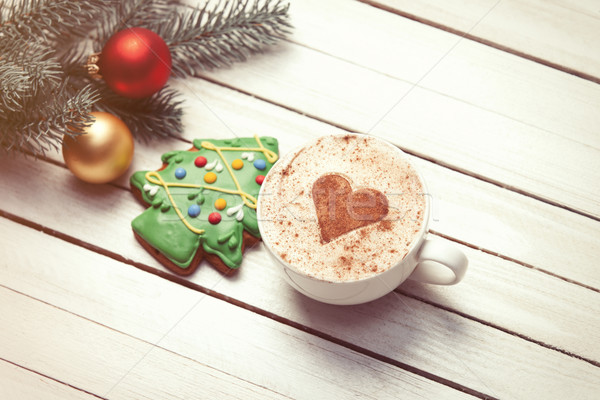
[428,261]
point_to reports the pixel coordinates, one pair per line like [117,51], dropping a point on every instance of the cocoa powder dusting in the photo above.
[289,168]
[386,225]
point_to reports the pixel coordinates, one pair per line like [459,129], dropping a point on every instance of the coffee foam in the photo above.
[289,223]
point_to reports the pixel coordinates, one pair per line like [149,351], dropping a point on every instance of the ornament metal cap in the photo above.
[92,66]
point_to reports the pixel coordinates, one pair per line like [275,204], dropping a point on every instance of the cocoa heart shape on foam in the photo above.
[341,210]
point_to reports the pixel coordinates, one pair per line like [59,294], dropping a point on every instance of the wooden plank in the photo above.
[62,346]
[393,45]
[558,33]
[496,116]
[461,15]
[19,383]
[464,70]
[161,375]
[506,152]
[96,358]
[427,338]
[399,328]
[466,208]
[236,353]
[518,227]
[547,310]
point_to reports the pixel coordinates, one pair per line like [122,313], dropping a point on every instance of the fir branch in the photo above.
[146,12]
[19,83]
[156,116]
[213,37]
[133,13]
[50,19]
[41,125]
[26,70]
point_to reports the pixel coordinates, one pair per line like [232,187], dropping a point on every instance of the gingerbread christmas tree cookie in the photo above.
[203,202]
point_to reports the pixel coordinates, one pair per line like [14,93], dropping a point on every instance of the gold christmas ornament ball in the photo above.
[102,153]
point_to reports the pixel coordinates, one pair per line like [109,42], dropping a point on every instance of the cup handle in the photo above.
[439,263]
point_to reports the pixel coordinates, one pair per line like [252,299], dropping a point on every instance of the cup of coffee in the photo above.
[346,219]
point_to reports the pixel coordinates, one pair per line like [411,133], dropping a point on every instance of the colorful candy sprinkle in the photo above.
[180,173]
[211,165]
[260,179]
[151,189]
[210,177]
[194,210]
[214,218]
[220,204]
[248,156]
[200,161]
[260,164]
[237,164]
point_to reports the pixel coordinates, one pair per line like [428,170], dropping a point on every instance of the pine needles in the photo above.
[45,92]
[213,38]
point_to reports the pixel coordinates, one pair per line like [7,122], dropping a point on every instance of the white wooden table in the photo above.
[497,102]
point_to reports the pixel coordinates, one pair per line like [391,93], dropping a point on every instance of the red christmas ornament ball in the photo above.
[135,63]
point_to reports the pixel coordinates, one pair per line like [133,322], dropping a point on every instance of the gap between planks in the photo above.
[44,376]
[194,286]
[513,260]
[478,39]
[496,326]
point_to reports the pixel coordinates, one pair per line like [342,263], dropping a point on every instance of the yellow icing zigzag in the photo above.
[159,181]
[269,155]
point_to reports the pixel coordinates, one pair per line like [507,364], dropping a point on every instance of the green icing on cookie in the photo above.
[182,196]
